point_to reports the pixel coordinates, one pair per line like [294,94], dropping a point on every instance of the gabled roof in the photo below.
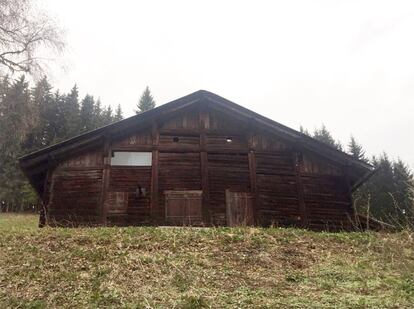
[39,158]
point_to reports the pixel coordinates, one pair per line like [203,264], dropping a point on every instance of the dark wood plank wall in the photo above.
[136,208]
[125,205]
[326,194]
[177,171]
[277,189]
[75,191]
[226,171]
[204,149]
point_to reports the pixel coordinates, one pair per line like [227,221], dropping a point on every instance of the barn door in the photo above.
[239,208]
[183,207]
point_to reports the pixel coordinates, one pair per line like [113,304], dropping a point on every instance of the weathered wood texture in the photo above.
[188,120]
[75,191]
[75,197]
[327,202]
[239,208]
[326,194]
[208,152]
[178,171]
[129,195]
[183,207]
[277,190]
[134,140]
[226,171]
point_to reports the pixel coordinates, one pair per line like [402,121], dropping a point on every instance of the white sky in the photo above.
[347,64]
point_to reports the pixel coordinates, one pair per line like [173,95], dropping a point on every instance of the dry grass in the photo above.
[201,268]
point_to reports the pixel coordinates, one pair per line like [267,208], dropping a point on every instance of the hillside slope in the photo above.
[202,268]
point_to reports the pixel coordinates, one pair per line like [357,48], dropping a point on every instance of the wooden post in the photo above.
[106,170]
[155,211]
[297,161]
[353,212]
[49,181]
[345,171]
[204,125]
[253,175]
[45,199]
[253,185]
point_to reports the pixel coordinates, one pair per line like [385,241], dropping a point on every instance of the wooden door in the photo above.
[183,207]
[239,208]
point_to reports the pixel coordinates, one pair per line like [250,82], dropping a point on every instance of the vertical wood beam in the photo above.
[253,185]
[204,123]
[352,211]
[298,161]
[45,199]
[51,166]
[106,171]
[253,176]
[346,173]
[155,209]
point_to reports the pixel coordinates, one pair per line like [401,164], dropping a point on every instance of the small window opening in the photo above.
[229,139]
[176,139]
[131,158]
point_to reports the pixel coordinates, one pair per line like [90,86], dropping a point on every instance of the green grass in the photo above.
[201,268]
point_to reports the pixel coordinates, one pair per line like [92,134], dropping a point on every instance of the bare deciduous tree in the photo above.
[25,32]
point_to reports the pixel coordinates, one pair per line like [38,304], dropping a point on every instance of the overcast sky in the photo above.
[347,64]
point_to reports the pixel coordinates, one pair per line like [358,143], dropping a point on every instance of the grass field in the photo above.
[201,268]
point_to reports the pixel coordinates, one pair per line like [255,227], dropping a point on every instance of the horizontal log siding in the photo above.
[75,197]
[177,171]
[76,183]
[127,180]
[327,202]
[277,189]
[226,171]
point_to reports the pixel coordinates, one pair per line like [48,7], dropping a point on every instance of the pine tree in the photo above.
[381,188]
[43,134]
[60,125]
[118,113]
[87,113]
[33,119]
[325,136]
[146,102]
[97,114]
[404,189]
[362,196]
[51,118]
[72,113]
[304,131]
[107,116]
[356,150]
[16,121]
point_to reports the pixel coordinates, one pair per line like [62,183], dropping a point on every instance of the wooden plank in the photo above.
[204,125]
[62,152]
[253,173]
[229,209]
[205,187]
[183,149]
[105,178]
[51,181]
[239,208]
[253,184]
[183,207]
[154,207]
[350,208]
[180,131]
[297,161]
[45,199]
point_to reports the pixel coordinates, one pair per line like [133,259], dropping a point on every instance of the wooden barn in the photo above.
[199,160]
